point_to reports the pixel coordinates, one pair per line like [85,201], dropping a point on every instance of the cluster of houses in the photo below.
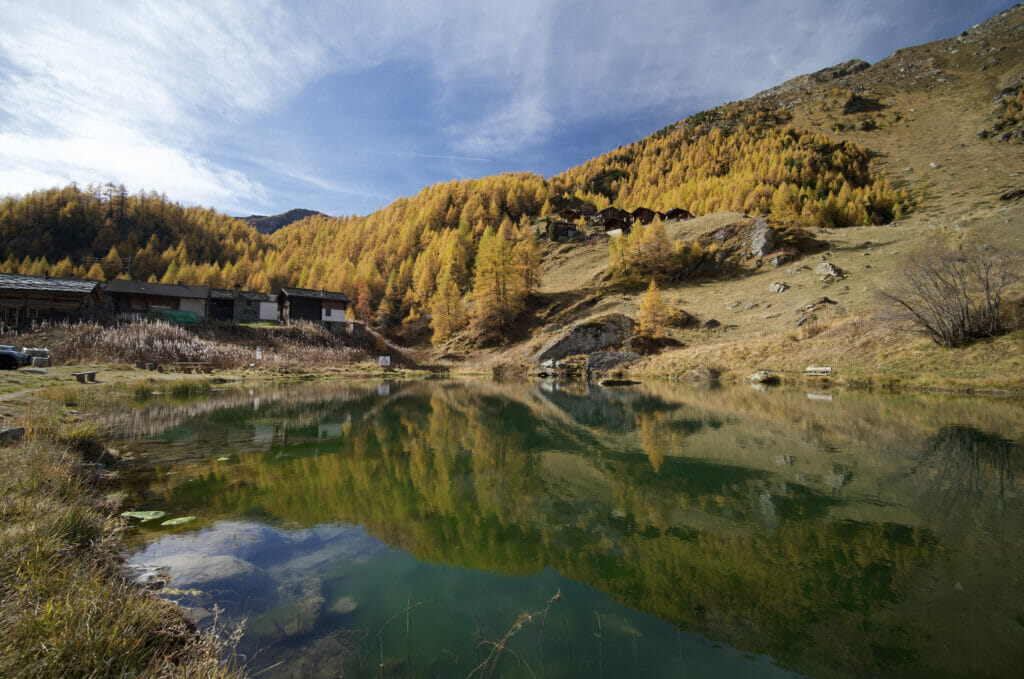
[611,221]
[25,300]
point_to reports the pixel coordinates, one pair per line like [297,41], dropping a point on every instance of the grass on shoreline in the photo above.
[67,607]
[863,352]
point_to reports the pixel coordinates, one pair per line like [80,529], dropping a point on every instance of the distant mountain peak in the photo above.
[265,224]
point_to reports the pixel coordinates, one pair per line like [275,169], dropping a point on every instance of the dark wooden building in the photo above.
[323,306]
[678,213]
[617,224]
[644,215]
[569,214]
[242,306]
[134,299]
[612,213]
[28,299]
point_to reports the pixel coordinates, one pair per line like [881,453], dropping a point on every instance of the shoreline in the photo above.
[71,607]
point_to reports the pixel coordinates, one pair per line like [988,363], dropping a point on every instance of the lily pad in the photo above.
[178,521]
[144,516]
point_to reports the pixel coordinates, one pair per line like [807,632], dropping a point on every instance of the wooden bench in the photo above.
[87,376]
[817,371]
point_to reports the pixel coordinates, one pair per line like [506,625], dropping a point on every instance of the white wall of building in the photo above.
[334,315]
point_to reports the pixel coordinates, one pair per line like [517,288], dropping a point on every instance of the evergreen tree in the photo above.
[447,314]
[654,314]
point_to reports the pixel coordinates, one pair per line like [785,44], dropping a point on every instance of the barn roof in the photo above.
[315,294]
[14,281]
[121,286]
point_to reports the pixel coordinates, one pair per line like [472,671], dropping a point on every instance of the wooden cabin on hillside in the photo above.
[612,213]
[31,299]
[645,215]
[318,306]
[128,300]
[677,213]
[616,224]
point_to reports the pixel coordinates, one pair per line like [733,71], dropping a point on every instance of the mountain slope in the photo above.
[268,225]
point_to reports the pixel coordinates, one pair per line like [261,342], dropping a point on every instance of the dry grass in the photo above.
[67,608]
[865,351]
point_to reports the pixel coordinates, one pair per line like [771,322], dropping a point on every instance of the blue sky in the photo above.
[259,106]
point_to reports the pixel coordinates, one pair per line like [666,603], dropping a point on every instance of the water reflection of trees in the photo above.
[971,467]
[472,478]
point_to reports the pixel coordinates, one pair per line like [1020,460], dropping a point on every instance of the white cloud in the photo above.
[144,92]
[133,92]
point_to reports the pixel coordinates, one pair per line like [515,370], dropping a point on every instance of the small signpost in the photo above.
[384,361]
[259,353]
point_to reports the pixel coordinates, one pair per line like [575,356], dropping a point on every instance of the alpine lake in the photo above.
[457,528]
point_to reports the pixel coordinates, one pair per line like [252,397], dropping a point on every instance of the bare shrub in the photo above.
[143,341]
[953,293]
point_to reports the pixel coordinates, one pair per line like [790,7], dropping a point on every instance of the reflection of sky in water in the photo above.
[850,536]
[311,595]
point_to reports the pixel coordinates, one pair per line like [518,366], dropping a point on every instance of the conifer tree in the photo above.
[95,272]
[654,314]
[447,314]
[498,288]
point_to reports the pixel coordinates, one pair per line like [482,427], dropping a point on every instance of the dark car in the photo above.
[11,359]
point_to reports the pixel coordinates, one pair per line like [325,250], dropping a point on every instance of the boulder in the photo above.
[763,238]
[588,336]
[709,324]
[777,287]
[763,377]
[11,435]
[827,271]
[678,318]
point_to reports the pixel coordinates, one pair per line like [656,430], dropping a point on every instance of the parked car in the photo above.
[12,359]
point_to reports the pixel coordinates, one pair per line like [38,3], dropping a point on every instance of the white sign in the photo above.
[384,361]
[259,354]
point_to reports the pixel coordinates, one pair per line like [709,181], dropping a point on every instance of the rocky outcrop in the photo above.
[828,271]
[763,238]
[763,377]
[589,336]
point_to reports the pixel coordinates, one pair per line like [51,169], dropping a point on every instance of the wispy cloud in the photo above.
[171,95]
[128,93]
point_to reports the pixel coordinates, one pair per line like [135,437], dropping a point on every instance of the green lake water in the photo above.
[457,528]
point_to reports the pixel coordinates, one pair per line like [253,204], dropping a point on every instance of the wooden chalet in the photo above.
[321,306]
[644,215]
[569,214]
[612,213]
[678,213]
[242,306]
[616,224]
[135,299]
[28,299]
